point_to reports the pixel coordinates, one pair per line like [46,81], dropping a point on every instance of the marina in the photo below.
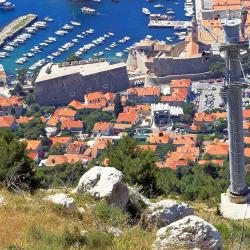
[68,24]
[170,24]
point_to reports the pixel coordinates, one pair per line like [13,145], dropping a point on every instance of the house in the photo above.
[72,126]
[144,109]
[247,152]
[76,147]
[24,119]
[11,106]
[246,114]
[103,128]
[217,149]
[63,140]
[54,160]
[53,121]
[65,113]
[189,149]
[34,146]
[158,138]
[184,140]
[181,83]
[7,122]
[96,98]
[76,104]
[33,156]
[99,145]
[121,128]
[177,97]
[143,95]
[128,118]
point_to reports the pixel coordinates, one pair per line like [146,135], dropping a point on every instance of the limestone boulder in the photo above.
[190,232]
[2,200]
[61,199]
[105,183]
[164,212]
[115,231]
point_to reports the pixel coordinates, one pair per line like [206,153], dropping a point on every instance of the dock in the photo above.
[16,26]
[170,24]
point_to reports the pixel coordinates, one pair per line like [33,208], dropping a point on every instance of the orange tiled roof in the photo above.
[137,108]
[65,112]
[102,126]
[217,149]
[246,113]
[181,83]
[13,101]
[33,155]
[24,119]
[61,140]
[68,124]
[158,138]
[185,140]
[33,144]
[122,126]
[75,104]
[147,91]
[247,152]
[6,121]
[147,147]
[247,140]
[127,117]
[53,121]
[189,149]
[178,95]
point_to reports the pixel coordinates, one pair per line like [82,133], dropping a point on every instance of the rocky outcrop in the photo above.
[2,200]
[115,231]
[105,183]
[61,199]
[136,198]
[162,213]
[190,232]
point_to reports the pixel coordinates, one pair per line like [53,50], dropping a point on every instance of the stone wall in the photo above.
[62,90]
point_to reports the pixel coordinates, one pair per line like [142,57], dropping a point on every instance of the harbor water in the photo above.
[124,18]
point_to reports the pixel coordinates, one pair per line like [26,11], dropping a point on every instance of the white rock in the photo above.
[2,200]
[61,199]
[104,182]
[115,231]
[81,210]
[164,212]
[190,232]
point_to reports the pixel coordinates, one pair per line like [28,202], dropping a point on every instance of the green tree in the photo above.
[189,111]
[138,166]
[57,149]
[18,90]
[220,125]
[17,171]
[21,76]
[118,105]
[73,58]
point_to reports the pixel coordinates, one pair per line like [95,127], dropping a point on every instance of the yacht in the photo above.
[119,54]
[158,6]
[3,54]
[61,32]
[8,48]
[40,25]
[48,19]
[75,23]
[88,10]
[146,11]
[67,27]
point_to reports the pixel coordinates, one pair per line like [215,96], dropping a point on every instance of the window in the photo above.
[89,90]
[72,94]
[105,86]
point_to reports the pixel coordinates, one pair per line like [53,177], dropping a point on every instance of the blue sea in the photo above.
[124,18]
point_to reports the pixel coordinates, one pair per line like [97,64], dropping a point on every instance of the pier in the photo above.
[15,27]
[169,24]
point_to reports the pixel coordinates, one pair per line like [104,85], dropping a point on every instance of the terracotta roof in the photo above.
[185,140]
[65,112]
[246,113]
[61,140]
[177,95]
[127,117]
[33,155]
[189,149]
[68,124]
[181,83]
[137,108]
[158,138]
[147,91]
[24,119]
[53,121]
[33,145]
[147,147]
[102,126]
[6,121]
[75,104]
[247,140]
[96,97]
[122,126]
[217,149]
[13,101]
[247,152]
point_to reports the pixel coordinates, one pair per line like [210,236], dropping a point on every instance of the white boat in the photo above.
[158,6]
[8,48]
[75,23]
[88,10]
[149,37]
[61,32]
[67,27]
[119,54]
[146,11]
[48,19]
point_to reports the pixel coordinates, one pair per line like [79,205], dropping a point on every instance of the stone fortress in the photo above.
[59,84]
[161,63]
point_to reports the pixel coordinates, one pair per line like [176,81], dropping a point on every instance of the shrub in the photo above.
[99,240]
